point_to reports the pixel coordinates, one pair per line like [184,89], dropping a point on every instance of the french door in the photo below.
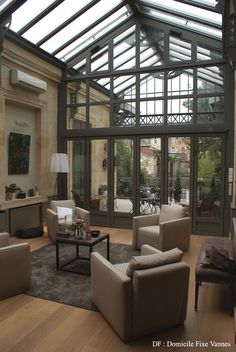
[134,175]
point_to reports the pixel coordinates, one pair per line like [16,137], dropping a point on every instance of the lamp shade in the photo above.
[59,162]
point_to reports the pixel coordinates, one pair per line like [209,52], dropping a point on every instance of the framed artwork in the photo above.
[18,154]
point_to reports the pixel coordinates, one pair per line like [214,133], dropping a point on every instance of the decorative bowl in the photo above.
[95,233]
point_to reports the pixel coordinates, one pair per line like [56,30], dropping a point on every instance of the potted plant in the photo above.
[13,188]
[178,189]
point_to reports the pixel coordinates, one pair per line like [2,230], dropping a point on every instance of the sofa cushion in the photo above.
[63,212]
[153,260]
[171,212]
[67,203]
[149,230]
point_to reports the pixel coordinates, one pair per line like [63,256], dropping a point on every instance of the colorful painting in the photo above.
[18,154]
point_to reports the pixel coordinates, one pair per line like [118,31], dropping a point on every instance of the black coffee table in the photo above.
[83,243]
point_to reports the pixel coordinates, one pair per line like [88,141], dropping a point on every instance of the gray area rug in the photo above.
[64,287]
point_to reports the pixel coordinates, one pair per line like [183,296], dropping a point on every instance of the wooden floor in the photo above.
[30,324]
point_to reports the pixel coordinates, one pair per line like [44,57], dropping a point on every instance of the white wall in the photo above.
[22,119]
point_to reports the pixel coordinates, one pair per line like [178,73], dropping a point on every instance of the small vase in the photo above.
[81,232]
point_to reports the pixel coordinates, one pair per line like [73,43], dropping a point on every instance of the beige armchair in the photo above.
[153,299]
[54,224]
[167,230]
[15,267]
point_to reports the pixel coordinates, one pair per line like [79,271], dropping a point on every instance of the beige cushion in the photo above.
[149,230]
[171,212]
[152,260]
[62,212]
[67,203]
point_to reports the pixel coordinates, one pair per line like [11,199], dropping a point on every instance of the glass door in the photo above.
[209,198]
[179,171]
[150,161]
[122,190]
[98,187]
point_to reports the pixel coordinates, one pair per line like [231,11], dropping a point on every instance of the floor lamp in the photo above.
[59,164]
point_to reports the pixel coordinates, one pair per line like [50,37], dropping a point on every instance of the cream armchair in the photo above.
[15,267]
[54,224]
[152,299]
[164,231]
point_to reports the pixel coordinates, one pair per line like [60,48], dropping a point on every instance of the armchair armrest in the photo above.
[146,249]
[83,214]
[111,293]
[15,269]
[141,221]
[175,233]
[4,239]
[52,224]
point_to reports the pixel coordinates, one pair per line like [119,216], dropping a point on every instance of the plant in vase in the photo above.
[78,226]
[13,188]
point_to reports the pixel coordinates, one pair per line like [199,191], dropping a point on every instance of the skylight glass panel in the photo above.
[207,54]
[4,4]
[91,36]
[78,25]
[124,82]
[124,51]
[54,19]
[185,23]
[196,12]
[81,66]
[99,61]
[27,12]
[210,3]
[180,48]
[105,82]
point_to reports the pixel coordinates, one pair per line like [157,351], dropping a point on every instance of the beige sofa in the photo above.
[54,224]
[15,267]
[152,299]
[167,230]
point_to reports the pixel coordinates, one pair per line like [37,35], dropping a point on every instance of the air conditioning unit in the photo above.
[24,80]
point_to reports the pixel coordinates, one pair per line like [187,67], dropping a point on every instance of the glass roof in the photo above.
[65,28]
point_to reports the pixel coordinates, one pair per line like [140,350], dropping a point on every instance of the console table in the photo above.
[23,213]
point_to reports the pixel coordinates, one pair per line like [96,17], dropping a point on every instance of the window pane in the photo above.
[76,118]
[179,50]
[151,107]
[27,12]
[210,80]
[185,23]
[124,52]
[181,83]
[124,114]
[151,46]
[62,13]
[179,170]
[99,61]
[210,109]
[89,37]
[124,87]
[204,53]
[150,175]
[4,4]
[209,177]
[98,182]
[98,94]
[179,111]
[151,86]
[123,175]
[77,176]
[99,116]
